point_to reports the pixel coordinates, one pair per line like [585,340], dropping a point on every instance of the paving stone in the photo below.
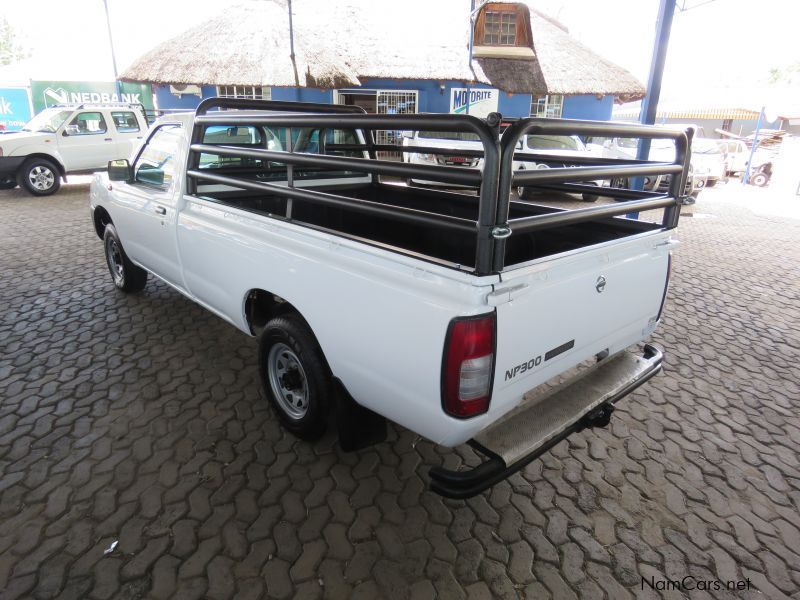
[139,419]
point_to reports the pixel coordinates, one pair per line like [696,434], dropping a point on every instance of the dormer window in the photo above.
[500,28]
[503,30]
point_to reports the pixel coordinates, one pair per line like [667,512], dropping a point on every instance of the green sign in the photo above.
[50,93]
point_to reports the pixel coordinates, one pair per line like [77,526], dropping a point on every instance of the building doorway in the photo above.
[381,102]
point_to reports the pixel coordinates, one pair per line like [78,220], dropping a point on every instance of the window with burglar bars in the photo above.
[549,106]
[253,92]
[401,102]
[500,28]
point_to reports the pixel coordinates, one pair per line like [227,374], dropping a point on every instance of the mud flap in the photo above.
[358,426]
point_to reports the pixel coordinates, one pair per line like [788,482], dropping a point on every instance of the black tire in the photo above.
[39,176]
[126,276]
[8,184]
[590,197]
[295,376]
[711,183]
[759,179]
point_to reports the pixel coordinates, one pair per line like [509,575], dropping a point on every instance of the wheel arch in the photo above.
[100,218]
[49,157]
[261,305]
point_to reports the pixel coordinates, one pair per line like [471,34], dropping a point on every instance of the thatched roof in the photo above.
[339,43]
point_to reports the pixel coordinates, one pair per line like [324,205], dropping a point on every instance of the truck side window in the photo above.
[87,123]
[125,121]
[155,165]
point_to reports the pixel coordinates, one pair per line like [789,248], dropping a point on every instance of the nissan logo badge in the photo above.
[601,284]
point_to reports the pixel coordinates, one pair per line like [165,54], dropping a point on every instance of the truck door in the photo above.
[146,212]
[86,141]
[128,132]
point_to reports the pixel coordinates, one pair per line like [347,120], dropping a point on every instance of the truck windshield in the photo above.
[48,120]
[700,146]
[461,136]
[552,142]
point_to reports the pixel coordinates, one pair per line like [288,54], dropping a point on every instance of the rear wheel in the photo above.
[126,275]
[759,179]
[295,376]
[39,176]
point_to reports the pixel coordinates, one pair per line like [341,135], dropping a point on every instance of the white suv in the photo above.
[66,140]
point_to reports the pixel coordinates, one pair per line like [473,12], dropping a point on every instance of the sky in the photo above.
[716,43]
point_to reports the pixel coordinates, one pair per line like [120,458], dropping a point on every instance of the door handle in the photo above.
[160,210]
[108,139]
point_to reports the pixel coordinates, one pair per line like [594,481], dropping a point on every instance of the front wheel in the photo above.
[295,376]
[39,177]
[759,179]
[126,275]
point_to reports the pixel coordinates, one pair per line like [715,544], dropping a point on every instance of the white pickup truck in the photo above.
[435,309]
[68,139]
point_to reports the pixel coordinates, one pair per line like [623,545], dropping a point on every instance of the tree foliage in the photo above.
[11,50]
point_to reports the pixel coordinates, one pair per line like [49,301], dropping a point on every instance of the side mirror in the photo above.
[119,170]
[71,130]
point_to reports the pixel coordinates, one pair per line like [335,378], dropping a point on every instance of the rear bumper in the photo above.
[9,166]
[546,419]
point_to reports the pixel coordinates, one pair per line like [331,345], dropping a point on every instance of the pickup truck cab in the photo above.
[438,310]
[66,140]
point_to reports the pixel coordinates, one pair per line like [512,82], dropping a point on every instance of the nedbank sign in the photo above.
[50,93]
[480,101]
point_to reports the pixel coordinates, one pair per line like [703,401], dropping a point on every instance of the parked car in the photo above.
[445,141]
[375,300]
[567,146]
[709,161]
[660,150]
[66,140]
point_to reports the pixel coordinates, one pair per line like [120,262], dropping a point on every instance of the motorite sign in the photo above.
[51,93]
[474,101]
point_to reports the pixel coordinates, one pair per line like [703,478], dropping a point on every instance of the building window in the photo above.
[549,106]
[500,28]
[244,91]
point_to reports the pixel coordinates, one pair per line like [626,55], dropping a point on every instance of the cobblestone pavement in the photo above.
[139,419]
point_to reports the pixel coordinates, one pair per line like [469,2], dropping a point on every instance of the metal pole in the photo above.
[647,116]
[746,178]
[113,56]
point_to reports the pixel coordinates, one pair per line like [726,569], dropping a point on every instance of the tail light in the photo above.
[468,366]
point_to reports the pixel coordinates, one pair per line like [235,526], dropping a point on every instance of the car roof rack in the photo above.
[79,105]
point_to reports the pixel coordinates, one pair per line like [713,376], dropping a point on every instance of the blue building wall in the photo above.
[167,100]
[302,94]
[432,98]
[587,107]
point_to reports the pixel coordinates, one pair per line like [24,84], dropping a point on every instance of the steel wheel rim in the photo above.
[41,178]
[115,262]
[288,380]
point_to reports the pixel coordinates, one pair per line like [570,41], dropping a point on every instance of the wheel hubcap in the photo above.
[115,264]
[41,178]
[288,380]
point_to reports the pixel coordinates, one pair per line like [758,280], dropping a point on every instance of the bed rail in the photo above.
[493,179]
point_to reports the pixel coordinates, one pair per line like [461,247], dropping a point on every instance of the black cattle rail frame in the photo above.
[494,181]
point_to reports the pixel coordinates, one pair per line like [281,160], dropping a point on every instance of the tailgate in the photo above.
[568,309]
